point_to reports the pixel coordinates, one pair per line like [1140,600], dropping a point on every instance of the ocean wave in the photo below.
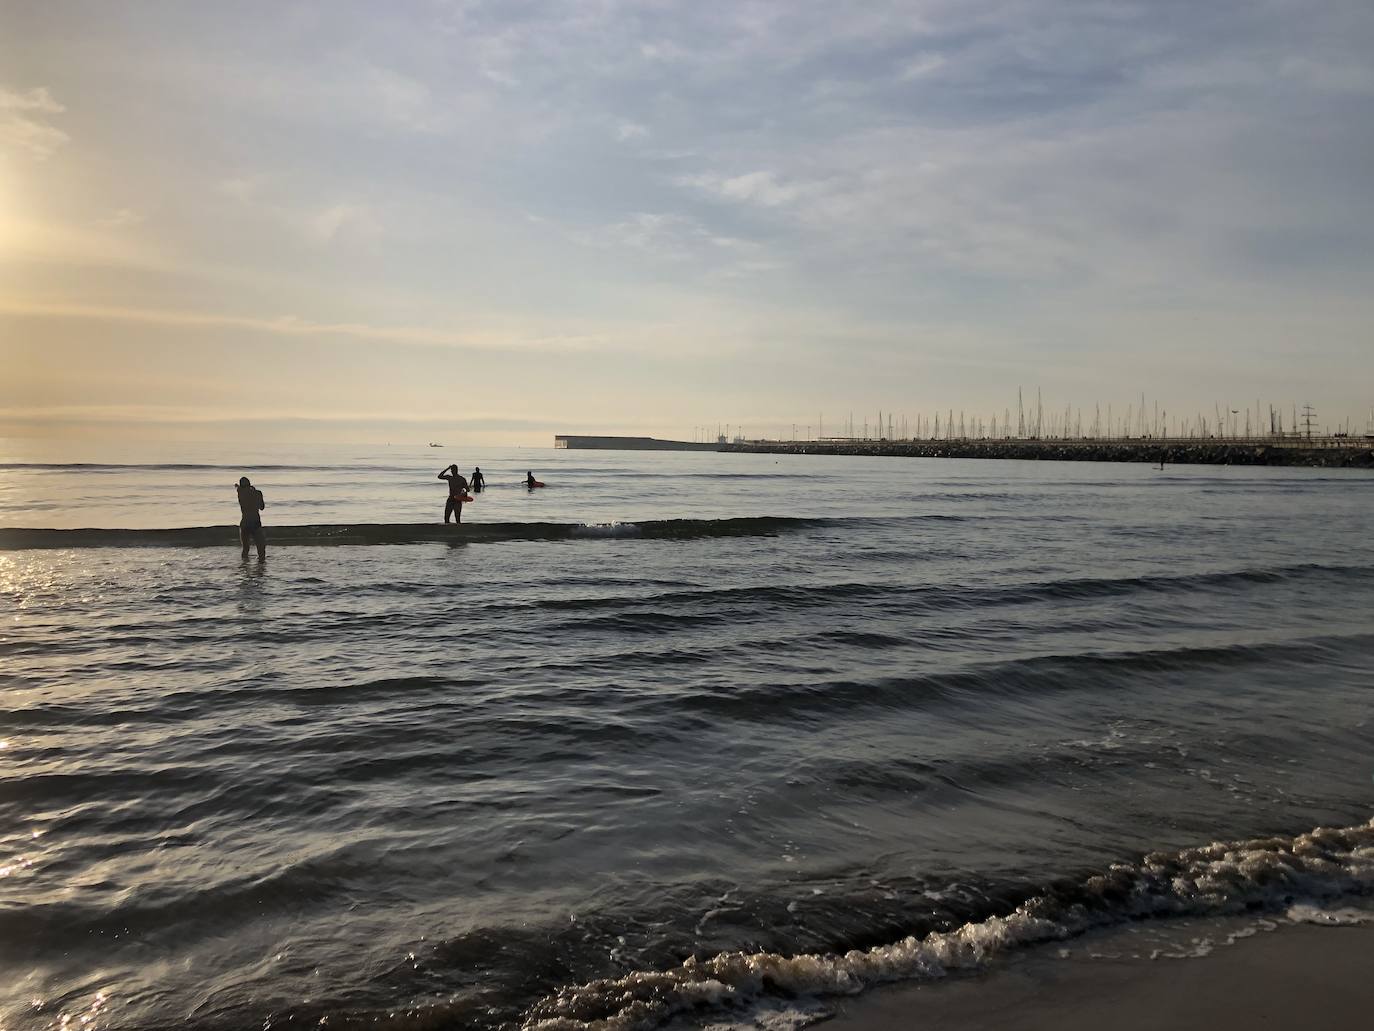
[1218,879]
[325,534]
[943,597]
[1028,676]
[1098,587]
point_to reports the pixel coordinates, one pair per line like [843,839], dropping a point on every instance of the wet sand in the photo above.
[1297,976]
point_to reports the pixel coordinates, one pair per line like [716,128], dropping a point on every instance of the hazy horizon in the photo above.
[486,223]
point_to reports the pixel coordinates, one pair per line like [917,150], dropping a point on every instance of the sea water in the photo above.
[681,732]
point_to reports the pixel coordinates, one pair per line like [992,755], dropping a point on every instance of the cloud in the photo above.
[124,218]
[677,239]
[356,220]
[1356,79]
[625,131]
[762,188]
[1037,145]
[291,326]
[23,125]
[35,99]
[99,244]
[343,219]
[921,65]
[404,101]
[186,415]
[666,235]
[241,188]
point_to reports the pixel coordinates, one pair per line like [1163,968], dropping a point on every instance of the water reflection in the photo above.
[252,579]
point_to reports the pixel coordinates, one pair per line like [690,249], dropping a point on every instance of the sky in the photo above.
[497,221]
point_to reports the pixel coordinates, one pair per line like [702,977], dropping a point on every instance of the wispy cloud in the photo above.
[921,65]
[202,415]
[24,122]
[665,234]
[404,101]
[94,244]
[761,187]
[680,241]
[123,218]
[291,326]
[241,188]
[352,219]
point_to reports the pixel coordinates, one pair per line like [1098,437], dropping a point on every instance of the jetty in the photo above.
[1320,452]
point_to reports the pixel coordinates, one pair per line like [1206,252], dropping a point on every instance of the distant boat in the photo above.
[432,444]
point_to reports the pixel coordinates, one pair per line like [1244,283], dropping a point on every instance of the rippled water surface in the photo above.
[708,704]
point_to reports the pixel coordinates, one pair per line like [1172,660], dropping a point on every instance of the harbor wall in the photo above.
[1330,453]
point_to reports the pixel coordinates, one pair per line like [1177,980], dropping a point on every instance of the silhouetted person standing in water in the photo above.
[478,480]
[457,488]
[251,505]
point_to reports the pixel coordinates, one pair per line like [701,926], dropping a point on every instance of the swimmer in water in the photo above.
[251,505]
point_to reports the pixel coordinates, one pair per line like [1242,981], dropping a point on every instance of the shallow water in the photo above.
[851,700]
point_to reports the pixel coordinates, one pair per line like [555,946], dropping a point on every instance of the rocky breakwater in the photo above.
[1170,452]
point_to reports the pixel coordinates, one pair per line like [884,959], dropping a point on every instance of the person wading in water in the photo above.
[251,505]
[478,480]
[457,489]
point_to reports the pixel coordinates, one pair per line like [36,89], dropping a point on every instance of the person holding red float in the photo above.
[457,493]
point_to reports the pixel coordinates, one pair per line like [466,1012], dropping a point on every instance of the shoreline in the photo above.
[1236,974]
[1251,453]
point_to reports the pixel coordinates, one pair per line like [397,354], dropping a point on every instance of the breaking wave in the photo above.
[1214,880]
[324,534]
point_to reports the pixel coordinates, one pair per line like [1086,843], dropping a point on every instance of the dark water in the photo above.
[719,708]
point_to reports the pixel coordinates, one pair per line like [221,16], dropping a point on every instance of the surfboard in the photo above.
[536,483]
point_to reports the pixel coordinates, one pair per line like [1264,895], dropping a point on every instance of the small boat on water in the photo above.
[432,444]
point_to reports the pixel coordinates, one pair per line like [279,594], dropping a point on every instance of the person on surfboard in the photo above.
[457,490]
[530,481]
[478,481]
[251,505]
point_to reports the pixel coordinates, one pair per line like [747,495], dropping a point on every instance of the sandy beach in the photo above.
[1275,975]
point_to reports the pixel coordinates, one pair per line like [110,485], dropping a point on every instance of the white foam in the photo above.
[1222,878]
[1343,916]
[772,1016]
